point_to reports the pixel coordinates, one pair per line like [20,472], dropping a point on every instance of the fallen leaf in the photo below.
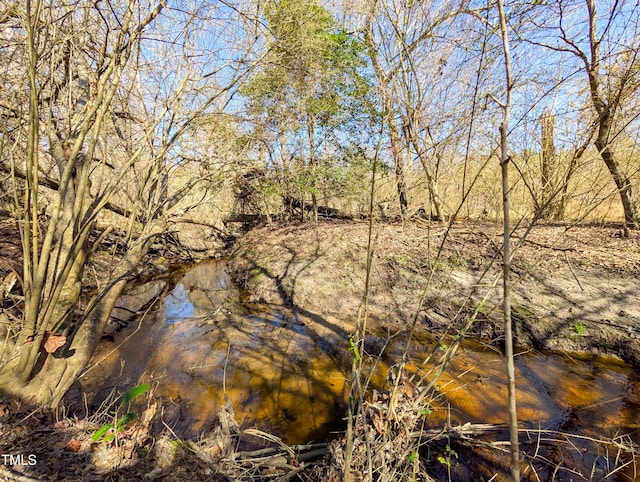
[65,423]
[74,445]
[54,342]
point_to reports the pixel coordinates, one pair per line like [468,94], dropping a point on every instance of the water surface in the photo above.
[286,371]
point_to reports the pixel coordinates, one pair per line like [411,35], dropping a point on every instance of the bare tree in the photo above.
[608,52]
[95,125]
[606,103]
[389,109]
[429,83]
[506,252]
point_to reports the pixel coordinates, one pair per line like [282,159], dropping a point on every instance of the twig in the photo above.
[12,475]
[573,272]
[201,223]
[144,315]
[542,245]
[274,450]
[224,373]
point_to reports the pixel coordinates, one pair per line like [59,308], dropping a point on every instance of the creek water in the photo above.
[199,343]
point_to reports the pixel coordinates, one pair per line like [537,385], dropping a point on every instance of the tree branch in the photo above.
[54,185]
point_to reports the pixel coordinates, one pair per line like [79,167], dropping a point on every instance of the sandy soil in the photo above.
[574,289]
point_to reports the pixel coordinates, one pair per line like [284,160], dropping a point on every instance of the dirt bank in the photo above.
[575,288]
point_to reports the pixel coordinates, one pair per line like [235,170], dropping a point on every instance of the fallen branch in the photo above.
[54,185]
[13,475]
[300,450]
[201,223]
[542,245]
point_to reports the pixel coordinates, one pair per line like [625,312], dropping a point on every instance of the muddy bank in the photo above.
[575,289]
[318,269]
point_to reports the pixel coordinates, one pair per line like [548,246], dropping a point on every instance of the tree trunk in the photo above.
[548,167]
[398,160]
[59,371]
[623,183]
[409,133]
[561,206]
[506,255]
[606,109]
[390,118]
[311,132]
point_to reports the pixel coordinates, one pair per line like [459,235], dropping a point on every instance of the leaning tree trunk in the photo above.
[606,108]
[623,183]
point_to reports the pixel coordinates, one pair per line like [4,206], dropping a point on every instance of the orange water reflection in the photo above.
[287,372]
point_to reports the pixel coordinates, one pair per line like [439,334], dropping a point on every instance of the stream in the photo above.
[198,343]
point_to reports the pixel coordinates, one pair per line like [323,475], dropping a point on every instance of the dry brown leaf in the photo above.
[74,445]
[379,423]
[149,413]
[54,342]
[64,423]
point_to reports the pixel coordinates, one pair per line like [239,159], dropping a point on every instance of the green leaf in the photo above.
[134,393]
[125,419]
[354,348]
[98,434]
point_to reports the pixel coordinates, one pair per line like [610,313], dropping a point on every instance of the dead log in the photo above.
[292,203]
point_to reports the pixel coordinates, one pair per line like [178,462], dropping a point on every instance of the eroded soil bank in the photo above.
[575,289]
